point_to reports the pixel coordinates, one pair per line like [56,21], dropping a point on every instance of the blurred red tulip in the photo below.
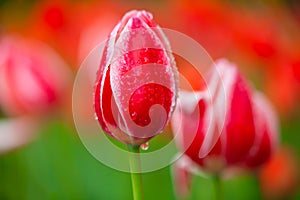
[136,72]
[191,108]
[279,177]
[266,127]
[32,76]
[238,131]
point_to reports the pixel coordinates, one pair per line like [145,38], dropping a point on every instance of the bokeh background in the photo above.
[41,156]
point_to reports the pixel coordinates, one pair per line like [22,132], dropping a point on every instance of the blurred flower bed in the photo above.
[43,43]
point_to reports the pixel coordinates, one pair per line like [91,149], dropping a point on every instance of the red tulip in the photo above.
[32,76]
[237,128]
[266,131]
[135,89]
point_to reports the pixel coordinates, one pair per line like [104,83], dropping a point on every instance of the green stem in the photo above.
[136,176]
[217,187]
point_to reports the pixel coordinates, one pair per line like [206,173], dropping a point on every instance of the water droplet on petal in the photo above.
[134,116]
[146,60]
[145,146]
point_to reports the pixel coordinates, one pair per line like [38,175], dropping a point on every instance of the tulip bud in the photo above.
[238,134]
[135,91]
[236,130]
[32,76]
[266,131]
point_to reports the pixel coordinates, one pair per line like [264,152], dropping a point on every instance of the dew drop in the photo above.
[133,116]
[146,121]
[146,59]
[145,146]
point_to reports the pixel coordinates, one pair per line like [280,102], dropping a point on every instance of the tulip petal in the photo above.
[140,67]
[266,131]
